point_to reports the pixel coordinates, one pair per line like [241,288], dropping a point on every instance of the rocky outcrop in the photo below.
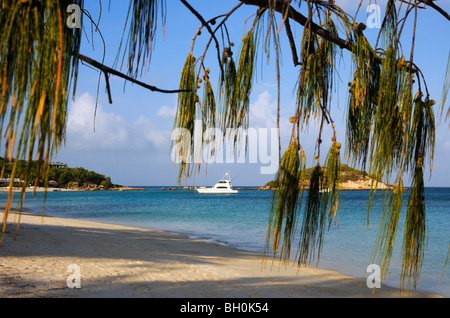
[363,185]
[127,189]
[90,187]
[178,188]
[53,184]
[351,179]
[73,185]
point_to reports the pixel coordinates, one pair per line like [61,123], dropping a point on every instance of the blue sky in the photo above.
[131,139]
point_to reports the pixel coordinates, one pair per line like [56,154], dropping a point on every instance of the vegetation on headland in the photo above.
[349,179]
[60,176]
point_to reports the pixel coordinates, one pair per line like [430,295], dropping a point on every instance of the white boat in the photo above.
[221,187]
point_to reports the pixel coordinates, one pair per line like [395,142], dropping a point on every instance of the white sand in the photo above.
[120,261]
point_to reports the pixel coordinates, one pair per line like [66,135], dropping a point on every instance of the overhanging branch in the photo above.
[280,6]
[288,11]
[206,25]
[107,70]
[430,3]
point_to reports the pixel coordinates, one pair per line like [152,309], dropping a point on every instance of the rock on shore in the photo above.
[351,179]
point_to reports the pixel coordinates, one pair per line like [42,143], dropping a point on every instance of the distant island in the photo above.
[350,179]
[61,177]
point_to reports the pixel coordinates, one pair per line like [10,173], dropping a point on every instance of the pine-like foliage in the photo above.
[142,20]
[185,118]
[414,238]
[322,206]
[38,62]
[314,93]
[236,86]
[286,202]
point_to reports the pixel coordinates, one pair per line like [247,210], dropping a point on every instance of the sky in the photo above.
[129,140]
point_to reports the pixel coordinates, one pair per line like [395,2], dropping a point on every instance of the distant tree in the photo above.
[64,177]
[390,123]
[107,183]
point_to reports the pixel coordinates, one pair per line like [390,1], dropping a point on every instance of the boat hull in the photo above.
[215,191]
[221,187]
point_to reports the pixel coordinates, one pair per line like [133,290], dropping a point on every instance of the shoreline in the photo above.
[43,189]
[128,262]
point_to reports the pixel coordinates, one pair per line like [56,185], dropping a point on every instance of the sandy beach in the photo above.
[33,189]
[120,261]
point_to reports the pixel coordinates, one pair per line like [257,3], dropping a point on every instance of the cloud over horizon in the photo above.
[97,130]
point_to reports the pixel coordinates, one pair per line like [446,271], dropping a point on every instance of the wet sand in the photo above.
[130,262]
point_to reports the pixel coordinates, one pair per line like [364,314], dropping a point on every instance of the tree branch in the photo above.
[205,24]
[280,6]
[107,70]
[435,7]
[291,42]
[108,88]
[290,12]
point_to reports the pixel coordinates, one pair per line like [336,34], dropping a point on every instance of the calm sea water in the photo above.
[240,221]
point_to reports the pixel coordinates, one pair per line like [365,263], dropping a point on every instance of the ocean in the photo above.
[240,221]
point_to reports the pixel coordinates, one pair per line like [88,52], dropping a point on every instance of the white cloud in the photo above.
[112,132]
[166,112]
[263,112]
[353,5]
[144,127]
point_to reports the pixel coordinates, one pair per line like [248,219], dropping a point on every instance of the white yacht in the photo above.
[221,187]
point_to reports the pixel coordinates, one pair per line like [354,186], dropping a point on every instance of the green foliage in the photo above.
[209,104]
[142,19]
[314,220]
[388,226]
[236,86]
[363,99]
[232,110]
[185,116]
[38,62]
[286,202]
[314,93]
[446,88]
[243,85]
[322,205]
[332,181]
[414,238]
[228,82]
[61,175]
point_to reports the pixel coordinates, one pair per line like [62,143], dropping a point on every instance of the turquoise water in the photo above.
[240,221]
